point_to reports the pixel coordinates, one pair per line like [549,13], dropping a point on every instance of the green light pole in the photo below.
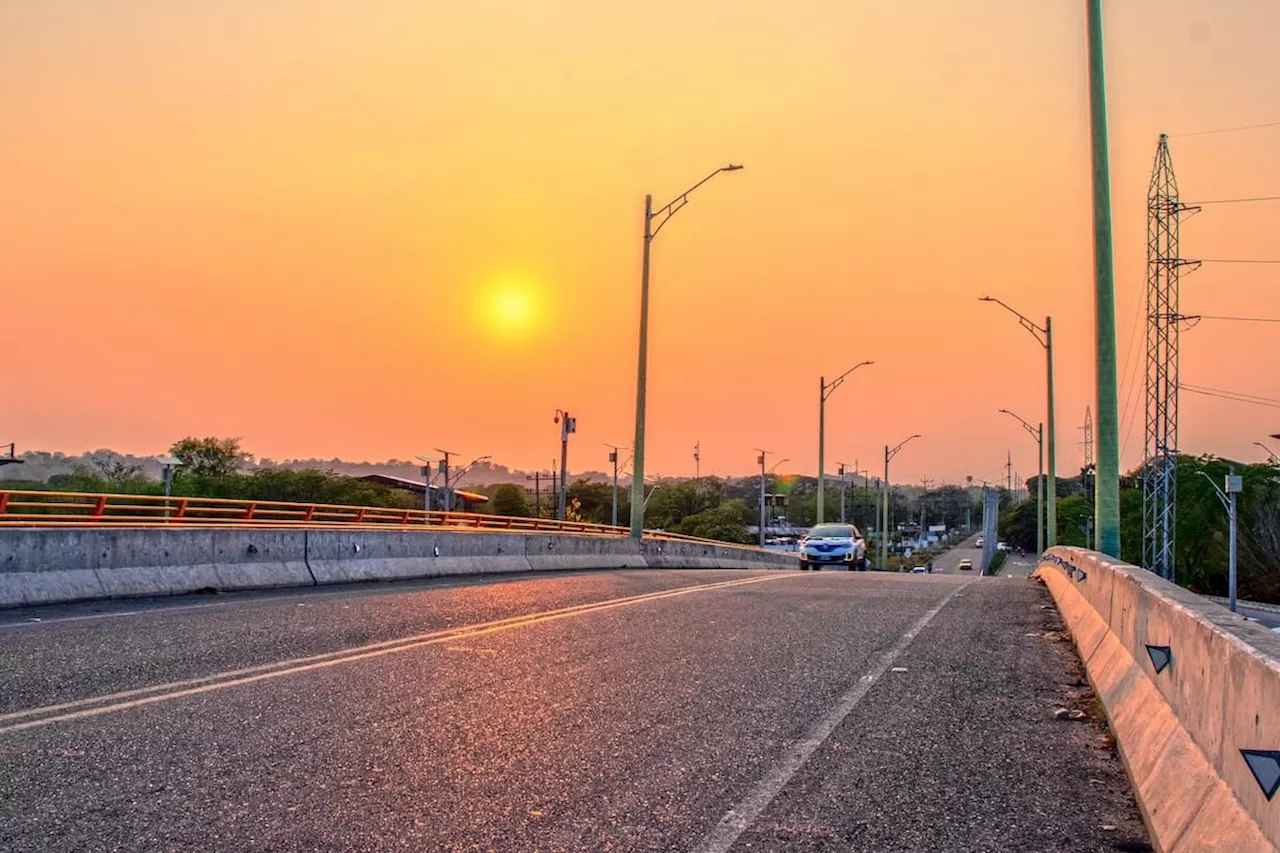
[1107,484]
[1044,337]
[663,215]
[825,390]
[1038,434]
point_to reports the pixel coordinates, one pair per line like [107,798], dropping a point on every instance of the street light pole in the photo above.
[842,488]
[613,457]
[825,390]
[444,473]
[1235,485]
[568,426]
[1044,337]
[889,453]
[1038,434]
[1271,456]
[664,215]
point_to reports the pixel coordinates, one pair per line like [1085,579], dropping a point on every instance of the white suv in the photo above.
[833,545]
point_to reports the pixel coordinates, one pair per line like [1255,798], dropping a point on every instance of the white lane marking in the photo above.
[139,697]
[741,816]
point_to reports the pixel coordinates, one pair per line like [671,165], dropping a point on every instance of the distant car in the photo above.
[919,570]
[965,565]
[1002,546]
[978,544]
[833,545]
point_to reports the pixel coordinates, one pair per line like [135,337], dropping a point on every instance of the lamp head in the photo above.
[732,167]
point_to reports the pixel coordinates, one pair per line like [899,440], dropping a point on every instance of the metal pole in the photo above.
[842,487]
[537,494]
[564,463]
[1051,500]
[642,371]
[762,479]
[1107,501]
[1231,575]
[1040,490]
[444,471]
[614,454]
[884,527]
[822,446]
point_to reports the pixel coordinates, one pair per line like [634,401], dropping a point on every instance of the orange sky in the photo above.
[366,229]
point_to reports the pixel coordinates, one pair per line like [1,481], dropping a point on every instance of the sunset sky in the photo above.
[369,228]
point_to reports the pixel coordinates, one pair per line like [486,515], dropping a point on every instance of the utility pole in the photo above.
[568,426]
[842,489]
[426,482]
[537,493]
[663,215]
[697,461]
[760,459]
[889,453]
[1107,486]
[444,474]
[613,457]
[1009,473]
[825,390]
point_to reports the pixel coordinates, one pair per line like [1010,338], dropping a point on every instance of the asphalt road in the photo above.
[653,710]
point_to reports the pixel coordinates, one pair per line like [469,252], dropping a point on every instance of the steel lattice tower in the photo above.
[1164,265]
[1088,452]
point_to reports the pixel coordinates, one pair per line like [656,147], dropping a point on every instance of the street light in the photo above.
[1037,432]
[1272,456]
[825,390]
[462,472]
[1235,485]
[764,478]
[889,453]
[1044,337]
[663,215]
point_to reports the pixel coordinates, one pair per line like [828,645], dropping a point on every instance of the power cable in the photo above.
[1225,130]
[1234,396]
[1233,200]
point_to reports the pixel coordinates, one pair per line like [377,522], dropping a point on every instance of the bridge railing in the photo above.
[71,509]
[80,509]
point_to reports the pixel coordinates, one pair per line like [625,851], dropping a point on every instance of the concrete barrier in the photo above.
[48,566]
[1192,692]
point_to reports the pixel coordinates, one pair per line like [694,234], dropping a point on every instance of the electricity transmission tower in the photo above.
[1164,267]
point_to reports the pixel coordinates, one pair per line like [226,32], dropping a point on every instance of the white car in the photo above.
[833,545]
[1002,546]
[978,544]
[919,570]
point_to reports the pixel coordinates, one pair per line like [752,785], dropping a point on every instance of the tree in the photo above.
[116,471]
[726,522]
[209,457]
[509,499]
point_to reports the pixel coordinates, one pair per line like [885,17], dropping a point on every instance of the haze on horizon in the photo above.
[369,229]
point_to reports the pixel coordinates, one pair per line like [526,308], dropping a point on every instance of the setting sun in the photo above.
[510,308]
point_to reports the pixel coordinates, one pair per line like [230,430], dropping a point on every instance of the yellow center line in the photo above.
[125,700]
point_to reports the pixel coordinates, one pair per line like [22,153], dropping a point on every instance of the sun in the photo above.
[510,308]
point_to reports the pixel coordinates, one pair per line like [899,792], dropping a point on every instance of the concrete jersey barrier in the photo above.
[1192,692]
[58,565]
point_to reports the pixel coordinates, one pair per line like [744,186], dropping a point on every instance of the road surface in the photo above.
[701,711]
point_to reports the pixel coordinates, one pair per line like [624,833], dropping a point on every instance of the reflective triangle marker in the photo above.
[1161,656]
[1265,765]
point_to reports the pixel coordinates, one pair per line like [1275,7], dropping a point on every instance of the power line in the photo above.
[1233,200]
[1234,396]
[1238,319]
[1226,129]
[1238,260]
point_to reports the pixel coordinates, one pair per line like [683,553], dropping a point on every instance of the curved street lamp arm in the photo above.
[1035,433]
[830,387]
[1041,334]
[1222,496]
[669,209]
[894,451]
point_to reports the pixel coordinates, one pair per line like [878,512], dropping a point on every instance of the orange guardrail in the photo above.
[83,509]
[72,509]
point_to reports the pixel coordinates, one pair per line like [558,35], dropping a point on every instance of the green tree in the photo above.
[595,500]
[509,499]
[209,457]
[726,522]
